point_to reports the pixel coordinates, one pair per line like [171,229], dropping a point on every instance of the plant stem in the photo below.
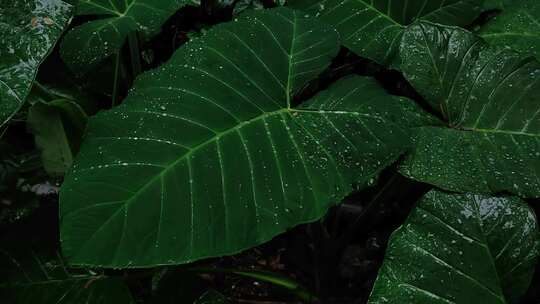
[133,42]
[266,276]
[116,77]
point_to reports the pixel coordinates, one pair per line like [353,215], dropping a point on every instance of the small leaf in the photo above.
[460,248]
[28,31]
[490,100]
[212,297]
[206,157]
[58,127]
[517,27]
[373,28]
[88,44]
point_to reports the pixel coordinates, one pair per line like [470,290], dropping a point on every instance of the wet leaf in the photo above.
[206,157]
[90,43]
[517,27]
[28,31]
[460,248]
[490,100]
[373,28]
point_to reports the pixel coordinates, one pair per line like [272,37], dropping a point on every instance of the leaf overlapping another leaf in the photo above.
[28,31]
[373,28]
[206,157]
[489,98]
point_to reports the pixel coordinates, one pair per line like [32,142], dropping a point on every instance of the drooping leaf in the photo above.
[206,156]
[28,31]
[35,273]
[517,27]
[490,99]
[88,44]
[58,127]
[373,28]
[460,248]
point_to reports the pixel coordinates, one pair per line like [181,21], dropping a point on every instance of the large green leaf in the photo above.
[206,157]
[490,100]
[88,44]
[33,274]
[517,27]
[460,248]
[28,31]
[373,28]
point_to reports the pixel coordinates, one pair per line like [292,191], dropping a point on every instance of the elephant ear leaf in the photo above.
[517,27]
[490,100]
[460,248]
[373,28]
[88,44]
[28,30]
[207,156]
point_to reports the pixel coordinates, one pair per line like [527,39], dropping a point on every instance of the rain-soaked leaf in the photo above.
[28,31]
[35,273]
[517,27]
[490,100]
[460,248]
[90,43]
[206,157]
[373,28]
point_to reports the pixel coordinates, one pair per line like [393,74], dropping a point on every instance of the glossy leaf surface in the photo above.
[460,248]
[88,44]
[490,100]
[373,28]
[518,27]
[28,31]
[206,157]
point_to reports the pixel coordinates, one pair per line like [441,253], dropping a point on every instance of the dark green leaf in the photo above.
[88,44]
[37,275]
[212,297]
[206,157]
[58,127]
[28,31]
[490,100]
[517,27]
[373,28]
[460,248]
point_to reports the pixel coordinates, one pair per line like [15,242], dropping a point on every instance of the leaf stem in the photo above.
[116,77]
[133,42]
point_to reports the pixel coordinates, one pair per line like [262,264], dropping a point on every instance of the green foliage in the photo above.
[460,248]
[271,166]
[28,31]
[489,99]
[372,28]
[248,119]
[90,43]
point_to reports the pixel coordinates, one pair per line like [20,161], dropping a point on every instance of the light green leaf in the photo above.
[490,100]
[90,43]
[28,31]
[373,28]
[460,248]
[206,157]
[58,127]
[37,275]
[517,27]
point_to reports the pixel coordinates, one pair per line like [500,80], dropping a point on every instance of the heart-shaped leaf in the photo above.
[206,156]
[460,248]
[88,44]
[517,27]
[373,28]
[490,100]
[28,30]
